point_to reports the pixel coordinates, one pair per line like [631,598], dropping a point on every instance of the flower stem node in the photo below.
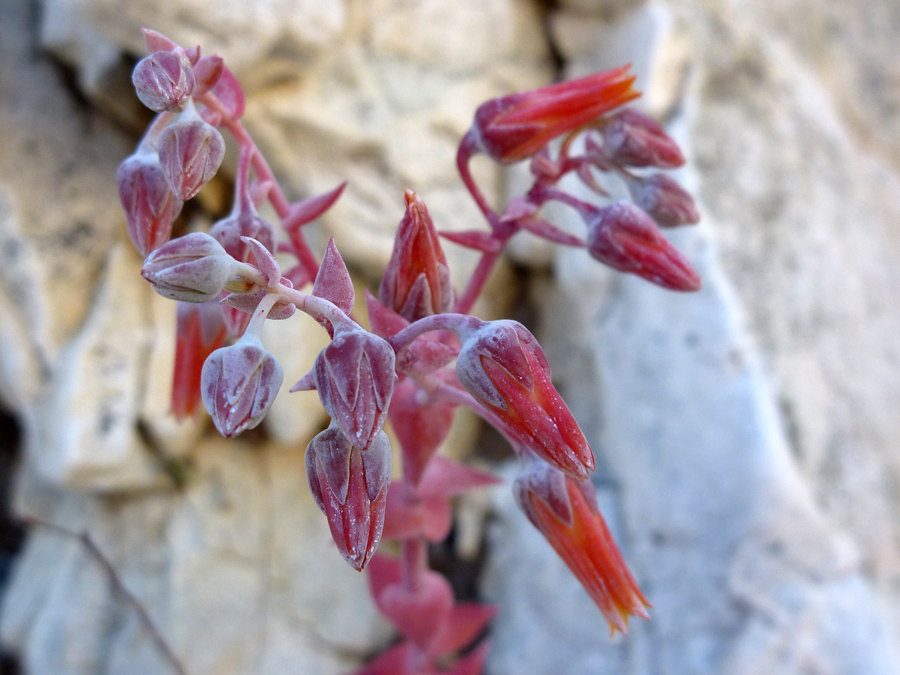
[239,384]
[565,511]
[192,268]
[354,376]
[350,486]
[504,368]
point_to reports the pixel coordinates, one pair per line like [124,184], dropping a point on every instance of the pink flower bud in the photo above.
[150,206]
[624,237]
[514,127]
[190,153]
[231,230]
[417,280]
[192,268]
[666,201]
[565,511]
[239,384]
[504,368]
[164,81]
[633,138]
[350,485]
[354,376]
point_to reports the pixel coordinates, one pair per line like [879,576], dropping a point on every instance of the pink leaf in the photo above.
[157,42]
[449,478]
[230,94]
[385,321]
[547,230]
[466,621]
[333,283]
[308,210]
[265,261]
[480,241]
[207,72]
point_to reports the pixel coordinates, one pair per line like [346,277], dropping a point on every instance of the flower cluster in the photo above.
[425,355]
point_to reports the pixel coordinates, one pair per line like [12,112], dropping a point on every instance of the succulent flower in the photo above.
[354,376]
[664,200]
[350,486]
[192,268]
[417,280]
[164,81]
[504,368]
[633,138]
[239,384]
[513,127]
[190,153]
[150,206]
[625,237]
[565,511]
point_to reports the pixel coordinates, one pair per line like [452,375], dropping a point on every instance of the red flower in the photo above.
[200,332]
[566,513]
[417,280]
[503,366]
[350,486]
[514,127]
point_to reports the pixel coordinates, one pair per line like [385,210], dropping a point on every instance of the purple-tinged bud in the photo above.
[190,153]
[624,237]
[633,138]
[502,365]
[239,384]
[192,268]
[164,81]
[354,376]
[669,204]
[416,283]
[350,486]
[150,206]
[231,230]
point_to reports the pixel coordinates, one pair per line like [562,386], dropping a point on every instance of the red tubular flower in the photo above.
[514,127]
[417,280]
[350,486]
[503,366]
[354,376]
[200,331]
[566,513]
[625,237]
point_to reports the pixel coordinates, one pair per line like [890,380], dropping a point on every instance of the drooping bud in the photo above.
[669,204]
[192,268]
[150,206]
[190,153]
[624,237]
[504,368]
[350,486]
[633,138]
[164,81]
[514,127]
[239,384]
[565,511]
[354,376]
[416,283]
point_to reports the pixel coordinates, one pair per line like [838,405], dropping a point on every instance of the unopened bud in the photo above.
[350,487]
[190,153]
[624,237]
[354,376]
[164,81]
[633,138]
[192,268]
[666,201]
[150,206]
[239,384]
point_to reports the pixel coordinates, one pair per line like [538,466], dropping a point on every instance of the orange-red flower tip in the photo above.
[513,127]
[565,511]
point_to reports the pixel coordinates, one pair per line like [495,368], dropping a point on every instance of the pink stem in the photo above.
[415,562]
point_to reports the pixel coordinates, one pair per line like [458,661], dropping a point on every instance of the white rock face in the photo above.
[745,435]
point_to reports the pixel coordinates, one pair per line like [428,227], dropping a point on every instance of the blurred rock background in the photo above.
[747,435]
